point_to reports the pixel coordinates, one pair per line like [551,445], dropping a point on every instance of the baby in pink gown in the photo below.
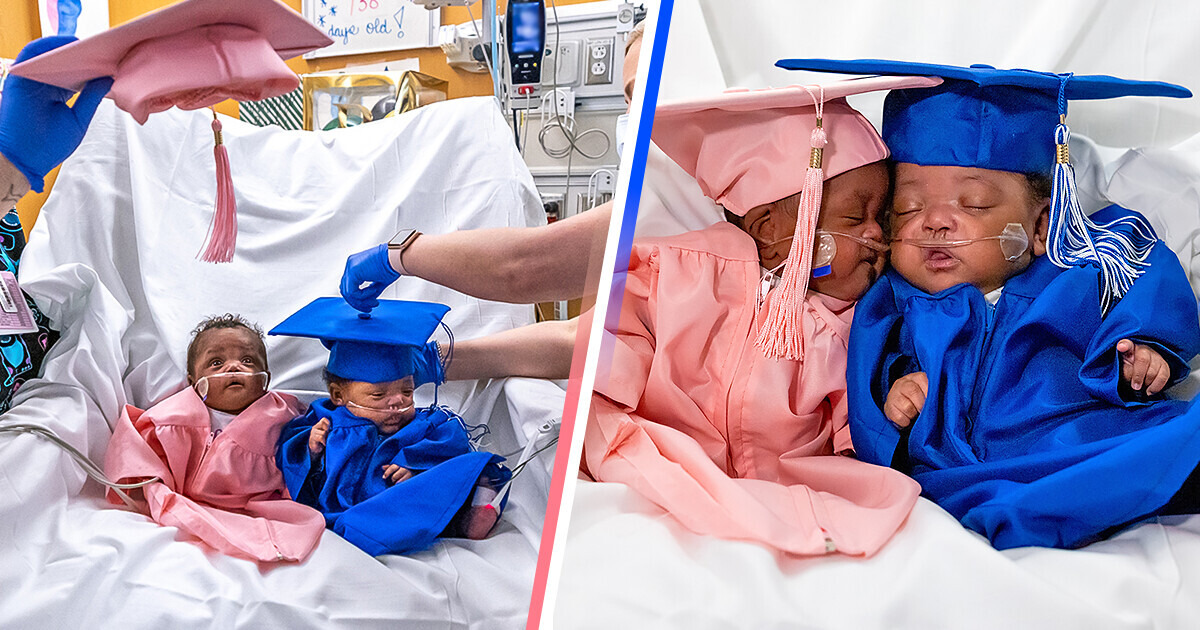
[212,447]
[735,436]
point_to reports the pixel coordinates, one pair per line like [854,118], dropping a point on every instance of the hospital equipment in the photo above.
[524,46]
[827,249]
[202,385]
[1014,242]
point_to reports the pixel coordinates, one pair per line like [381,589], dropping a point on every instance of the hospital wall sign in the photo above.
[363,26]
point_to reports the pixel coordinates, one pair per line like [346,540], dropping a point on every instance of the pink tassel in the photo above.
[782,333]
[222,234]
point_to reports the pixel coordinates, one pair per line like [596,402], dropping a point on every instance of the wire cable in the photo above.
[89,467]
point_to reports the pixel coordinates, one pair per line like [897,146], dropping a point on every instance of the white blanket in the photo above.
[111,260]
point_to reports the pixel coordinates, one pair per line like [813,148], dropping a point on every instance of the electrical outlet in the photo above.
[559,102]
[599,61]
[604,181]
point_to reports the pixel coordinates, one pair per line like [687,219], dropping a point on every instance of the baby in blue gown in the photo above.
[1013,358]
[389,477]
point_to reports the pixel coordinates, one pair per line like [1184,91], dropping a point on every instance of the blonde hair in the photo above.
[635,35]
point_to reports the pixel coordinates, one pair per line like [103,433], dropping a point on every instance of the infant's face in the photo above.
[851,204]
[389,405]
[230,350]
[959,203]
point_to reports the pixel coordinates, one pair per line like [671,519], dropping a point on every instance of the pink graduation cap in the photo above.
[747,148]
[190,55]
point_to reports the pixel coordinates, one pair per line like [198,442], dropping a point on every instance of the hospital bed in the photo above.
[112,261]
[629,564]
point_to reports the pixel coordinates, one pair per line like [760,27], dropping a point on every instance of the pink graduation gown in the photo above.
[692,416]
[228,493]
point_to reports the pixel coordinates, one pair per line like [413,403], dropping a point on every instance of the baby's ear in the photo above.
[1041,229]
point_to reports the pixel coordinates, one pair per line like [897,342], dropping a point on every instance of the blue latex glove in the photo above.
[427,365]
[38,130]
[367,266]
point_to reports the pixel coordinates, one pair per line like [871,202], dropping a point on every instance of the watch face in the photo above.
[400,237]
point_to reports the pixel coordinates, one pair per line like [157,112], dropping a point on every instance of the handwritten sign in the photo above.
[362,26]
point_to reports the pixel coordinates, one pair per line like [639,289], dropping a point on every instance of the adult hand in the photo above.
[906,398]
[1142,366]
[38,130]
[367,266]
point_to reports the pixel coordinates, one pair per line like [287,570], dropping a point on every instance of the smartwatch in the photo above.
[400,242]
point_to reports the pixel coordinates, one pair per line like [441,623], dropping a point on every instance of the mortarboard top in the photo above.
[748,147]
[387,346]
[192,54]
[981,116]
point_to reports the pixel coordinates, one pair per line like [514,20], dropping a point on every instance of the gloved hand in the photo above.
[38,130]
[428,366]
[367,266]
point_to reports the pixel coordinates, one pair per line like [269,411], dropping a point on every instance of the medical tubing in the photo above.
[388,410]
[865,242]
[89,467]
[202,390]
[475,432]
[1013,235]
[529,452]
[487,57]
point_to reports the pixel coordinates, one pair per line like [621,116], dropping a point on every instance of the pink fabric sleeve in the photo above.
[623,377]
[134,454]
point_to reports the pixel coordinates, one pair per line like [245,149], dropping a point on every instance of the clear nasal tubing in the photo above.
[1014,242]
[390,410]
[202,382]
[827,249]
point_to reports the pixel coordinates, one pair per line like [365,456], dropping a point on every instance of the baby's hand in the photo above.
[395,474]
[906,398]
[316,438]
[1142,365]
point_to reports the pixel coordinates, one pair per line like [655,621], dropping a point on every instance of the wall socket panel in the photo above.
[598,61]
[560,101]
[603,182]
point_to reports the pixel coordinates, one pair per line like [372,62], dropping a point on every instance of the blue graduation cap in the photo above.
[1013,120]
[387,344]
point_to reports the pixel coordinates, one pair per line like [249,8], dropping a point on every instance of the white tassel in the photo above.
[1119,249]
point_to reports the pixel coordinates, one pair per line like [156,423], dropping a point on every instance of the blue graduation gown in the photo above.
[1028,434]
[349,489]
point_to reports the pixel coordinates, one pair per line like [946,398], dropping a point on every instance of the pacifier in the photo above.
[1014,242]
[202,383]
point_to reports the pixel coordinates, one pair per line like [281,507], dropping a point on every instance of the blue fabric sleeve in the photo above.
[444,439]
[291,455]
[1159,311]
